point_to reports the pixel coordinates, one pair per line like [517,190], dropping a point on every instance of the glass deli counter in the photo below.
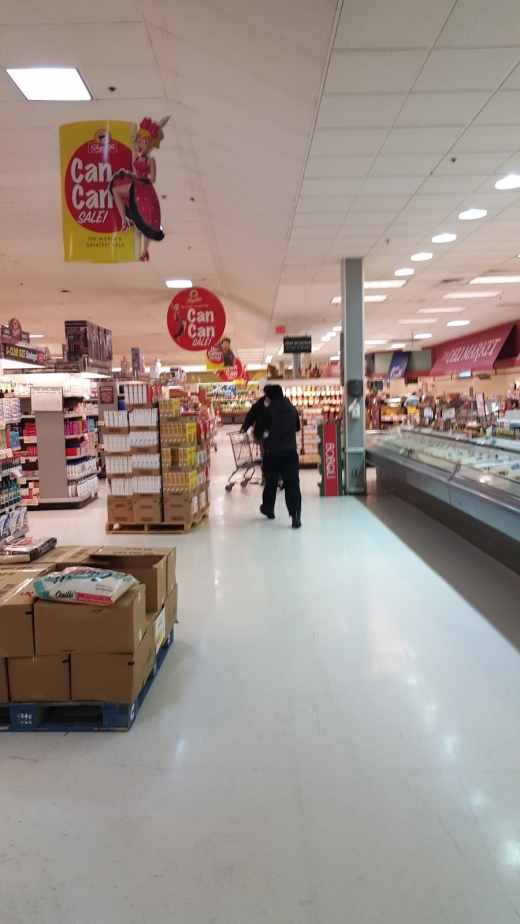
[470,485]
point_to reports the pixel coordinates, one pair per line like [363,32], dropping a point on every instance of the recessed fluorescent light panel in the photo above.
[179,283]
[268,359]
[49,83]
[472,214]
[375,298]
[508,182]
[440,310]
[444,238]
[457,323]
[336,300]
[397,346]
[413,321]
[36,336]
[337,330]
[405,271]
[385,284]
[421,257]
[476,294]
[499,280]
[375,342]
[422,336]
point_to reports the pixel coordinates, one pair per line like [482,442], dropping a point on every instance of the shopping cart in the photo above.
[247,453]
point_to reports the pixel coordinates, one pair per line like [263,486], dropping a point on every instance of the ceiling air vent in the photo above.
[452,282]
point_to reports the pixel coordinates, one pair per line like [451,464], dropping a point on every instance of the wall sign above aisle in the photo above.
[476,352]
[398,365]
[196,319]
[23,354]
[297,345]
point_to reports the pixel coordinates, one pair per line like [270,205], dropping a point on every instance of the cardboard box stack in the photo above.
[53,651]
[185,466]
[146,464]
[118,462]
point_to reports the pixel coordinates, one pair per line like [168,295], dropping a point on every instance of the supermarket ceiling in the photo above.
[301,131]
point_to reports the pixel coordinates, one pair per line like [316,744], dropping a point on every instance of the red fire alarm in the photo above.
[281,329]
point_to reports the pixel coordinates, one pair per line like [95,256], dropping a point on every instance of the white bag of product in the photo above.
[83,585]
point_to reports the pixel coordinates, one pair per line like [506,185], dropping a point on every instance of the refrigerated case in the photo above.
[471,485]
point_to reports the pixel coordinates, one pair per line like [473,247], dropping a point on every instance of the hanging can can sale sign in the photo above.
[196,319]
[90,154]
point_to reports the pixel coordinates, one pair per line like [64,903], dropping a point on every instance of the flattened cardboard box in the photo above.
[124,550]
[68,554]
[16,616]
[150,570]
[112,678]
[39,680]
[67,628]
[4,686]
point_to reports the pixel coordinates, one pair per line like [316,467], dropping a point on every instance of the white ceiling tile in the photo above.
[479,23]
[466,69]
[331,219]
[363,111]
[390,186]
[132,81]
[324,203]
[338,166]
[502,109]
[341,141]
[373,219]
[373,71]
[420,140]
[404,165]
[512,82]
[330,187]
[488,139]
[74,45]
[459,185]
[21,12]
[400,24]
[469,164]
[441,108]
[298,22]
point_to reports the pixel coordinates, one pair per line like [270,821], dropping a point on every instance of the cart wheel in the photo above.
[229,488]
[243,484]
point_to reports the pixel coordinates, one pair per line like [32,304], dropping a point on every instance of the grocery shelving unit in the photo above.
[316,400]
[59,440]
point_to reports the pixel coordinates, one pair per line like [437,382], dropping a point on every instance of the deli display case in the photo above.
[470,485]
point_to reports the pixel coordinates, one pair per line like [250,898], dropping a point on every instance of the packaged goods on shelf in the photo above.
[147,417]
[145,461]
[117,442]
[119,465]
[147,484]
[182,431]
[180,481]
[81,468]
[84,447]
[82,488]
[116,419]
[169,407]
[144,438]
[177,456]
[10,409]
[121,487]
[137,393]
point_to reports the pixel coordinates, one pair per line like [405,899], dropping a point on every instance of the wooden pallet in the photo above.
[157,528]
[79,717]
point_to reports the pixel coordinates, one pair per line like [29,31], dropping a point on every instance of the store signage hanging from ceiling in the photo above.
[297,345]
[23,354]
[13,333]
[196,319]
[91,153]
[476,352]
[398,366]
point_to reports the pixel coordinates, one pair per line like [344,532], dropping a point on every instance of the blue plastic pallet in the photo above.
[79,717]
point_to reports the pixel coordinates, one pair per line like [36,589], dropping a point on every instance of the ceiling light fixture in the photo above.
[179,283]
[490,293]
[325,339]
[385,284]
[375,298]
[406,271]
[331,334]
[444,238]
[413,321]
[49,83]
[441,310]
[398,346]
[420,257]
[508,182]
[422,336]
[334,359]
[268,359]
[457,323]
[500,280]
[472,214]
[375,342]
[337,299]
[337,330]
[36,336]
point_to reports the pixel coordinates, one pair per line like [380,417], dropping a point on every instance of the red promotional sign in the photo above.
[231,373]
[87,176]
[474,353]
[196,319]
[331,461]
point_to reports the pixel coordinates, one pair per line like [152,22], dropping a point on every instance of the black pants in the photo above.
[284,465]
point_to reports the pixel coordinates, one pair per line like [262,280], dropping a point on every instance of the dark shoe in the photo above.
[267,513]
[297,521]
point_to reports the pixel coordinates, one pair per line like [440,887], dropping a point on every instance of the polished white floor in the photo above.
[334,740]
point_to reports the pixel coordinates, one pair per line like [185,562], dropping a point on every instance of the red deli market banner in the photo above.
[473,353]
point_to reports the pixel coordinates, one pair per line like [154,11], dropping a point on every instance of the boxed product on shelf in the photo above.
[148,508]
[180,431]
[180,480]
[155,571]
[179,456]
[169,407]
[146,417]
[118,465]
[112,677]
[90,485]
[61,628]
[146,464]
[117,442]
[144,440]
[4,686]
[117,420]
[180,508]
[39,680]
[120,509]
[137,393]
[121,487]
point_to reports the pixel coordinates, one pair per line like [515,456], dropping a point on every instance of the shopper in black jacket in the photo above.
[256,415]
[282,423]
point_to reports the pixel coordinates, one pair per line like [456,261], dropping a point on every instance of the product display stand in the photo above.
[65,437]
[316,400]
[13,515]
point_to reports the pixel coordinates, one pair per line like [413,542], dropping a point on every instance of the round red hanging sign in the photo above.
[196,319]
[231,373]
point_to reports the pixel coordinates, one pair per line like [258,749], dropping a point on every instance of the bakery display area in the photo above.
[471,485]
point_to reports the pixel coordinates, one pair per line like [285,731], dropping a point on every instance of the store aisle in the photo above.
[334,737]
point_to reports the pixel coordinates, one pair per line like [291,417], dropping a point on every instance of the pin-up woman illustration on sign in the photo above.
[134,193]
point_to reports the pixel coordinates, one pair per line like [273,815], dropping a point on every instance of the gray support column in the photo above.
[296,360]
[353,360]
